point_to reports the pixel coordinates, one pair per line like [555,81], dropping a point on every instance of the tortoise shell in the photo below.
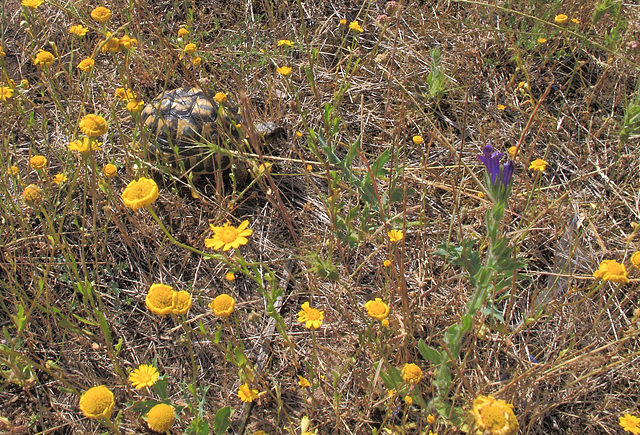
[180,122]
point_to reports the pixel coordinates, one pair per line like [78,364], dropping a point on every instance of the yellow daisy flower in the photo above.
[311,317]
[538,165]
[140,193]
[284,70]
[228,236]
[246,394]
[38,162]
[222,305]
[101,14]
[395,235]
[611,270]
[144,376]
[93,125]
[110,170]
[377,309]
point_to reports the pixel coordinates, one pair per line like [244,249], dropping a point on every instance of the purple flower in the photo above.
[507,172]
[491,160]
[497,177]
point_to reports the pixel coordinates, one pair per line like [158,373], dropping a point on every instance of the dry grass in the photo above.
[81,252]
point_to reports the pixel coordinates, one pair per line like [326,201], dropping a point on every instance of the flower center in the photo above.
[228,234]
[313,314]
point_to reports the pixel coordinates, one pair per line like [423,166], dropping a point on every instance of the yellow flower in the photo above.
[97,403]
[611,270]
[6,93]
[395,235]
[220,97]
[24,83]
[481,195]
[101,14]
[560,19]
[196,61]
[110,170]
[123,94]
[575,21]
[86,64]
[630,423]
[286,42]
[111,44]
[13,170]
[523,85]
[190,48]
[343,22]
[377,309]
[635,259]
[84,145]
[161,417]
[538,165]
[93,125]
[411,373]
[230,276]
[228,236]
[2,53]
[431,419]
[33,4]
[385,323]
[284,70]
[408,400]
[298,134]
[386,263]
[127,43]
[78,30]
[182,32]
[303,382]
[311,317]
[140,193]
[183,302]
[493,416]
[222,305]
[246,394]
[355,26]
[144,376]
[512,152]
[264,167]
[60,178]
[135,107]
[501,107]
[43,59]
[32,195]
[542,40]
[160,299]
[38,162]
[417,139]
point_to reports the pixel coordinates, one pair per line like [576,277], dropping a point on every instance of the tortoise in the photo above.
[191,132]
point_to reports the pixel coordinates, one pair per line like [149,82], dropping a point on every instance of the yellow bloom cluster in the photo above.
[163,299]
[411,373]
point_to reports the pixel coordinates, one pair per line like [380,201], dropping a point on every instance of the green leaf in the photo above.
[160,387]
[19,318]
[429,353]
[221,423]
